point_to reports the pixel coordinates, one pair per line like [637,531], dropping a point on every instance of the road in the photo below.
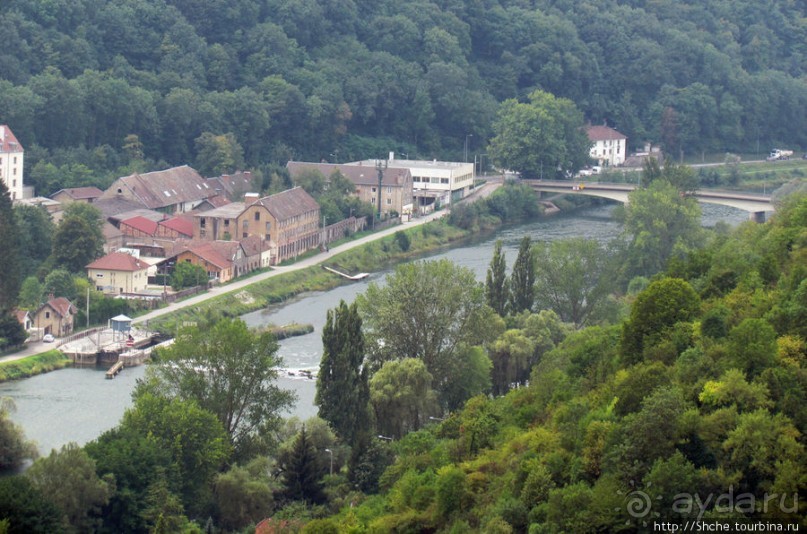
[481,192]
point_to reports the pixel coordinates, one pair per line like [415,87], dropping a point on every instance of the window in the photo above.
[15,160]
[47,315]
[268,228]
[14,183]
[244,235]
[202,222]
[226,223]
[99,275]
[443,180]
[245,225]
[389,190]
[389,201]
[373,189]
[257,215]
[15,171]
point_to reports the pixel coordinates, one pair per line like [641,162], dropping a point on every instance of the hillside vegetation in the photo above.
[96,88]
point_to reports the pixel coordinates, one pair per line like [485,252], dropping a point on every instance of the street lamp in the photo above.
[385,438]
[465,152]
[441,419]
[329,451]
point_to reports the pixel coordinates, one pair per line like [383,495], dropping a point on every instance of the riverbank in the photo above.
[33,365]
[369,257]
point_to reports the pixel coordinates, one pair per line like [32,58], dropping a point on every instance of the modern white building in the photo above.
[608,145]
[11,162]
[434,183]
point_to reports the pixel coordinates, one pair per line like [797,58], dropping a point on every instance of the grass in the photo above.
[373,256]
[33,365]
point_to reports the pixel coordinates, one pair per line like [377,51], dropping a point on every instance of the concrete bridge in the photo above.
[755,204]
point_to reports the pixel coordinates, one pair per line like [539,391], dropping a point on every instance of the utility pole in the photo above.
[380,168]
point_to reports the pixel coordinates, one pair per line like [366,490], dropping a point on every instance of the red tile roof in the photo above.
[62,306]
[603,133]
[183,225]
[142,224]
[8,142]
[119,261]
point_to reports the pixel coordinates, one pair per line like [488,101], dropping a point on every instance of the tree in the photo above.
[76,244]
[402,397]
[243,495]
[302,472]
[60,283]
[218,154]
[9,239]
[31,293]
[68,479]
[543,136]
[196,440]
[664,303]
[511,354]
[660,223]
[342,388]
[496,287]
[188,275]
[14,448]
[26,509]
[573,278]
[522,279]
[35,236]
[230,372]
[426,310]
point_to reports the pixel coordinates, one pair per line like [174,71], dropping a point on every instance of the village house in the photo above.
[222,260]
[395,192]
[234,186]
[608,145]
[25,319]
[12,157]
[118,273]
[88,195]
[289,221]
[434,183]
[55,317]
[175,190]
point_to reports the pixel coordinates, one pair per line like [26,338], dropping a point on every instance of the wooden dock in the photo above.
[114,370]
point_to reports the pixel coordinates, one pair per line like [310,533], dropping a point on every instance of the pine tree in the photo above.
[342,384]
[497,288]
[302,472]
[522,293]
[10,280]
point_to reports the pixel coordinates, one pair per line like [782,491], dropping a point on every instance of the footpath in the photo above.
[481,192]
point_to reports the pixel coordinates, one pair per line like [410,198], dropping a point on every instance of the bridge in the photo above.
[755,204]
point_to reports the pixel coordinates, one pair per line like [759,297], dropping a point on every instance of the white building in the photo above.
[608,145]
[11,162]
[433,182]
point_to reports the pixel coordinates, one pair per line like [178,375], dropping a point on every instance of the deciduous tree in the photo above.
[230,372]
[497,288]
[9,244]
[522,279]
[342,388]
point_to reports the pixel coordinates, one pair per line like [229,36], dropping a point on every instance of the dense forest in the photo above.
[94,88]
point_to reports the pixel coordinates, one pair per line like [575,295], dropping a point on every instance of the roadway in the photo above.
[481,192]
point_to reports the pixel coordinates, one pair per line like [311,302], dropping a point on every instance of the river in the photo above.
[79,404]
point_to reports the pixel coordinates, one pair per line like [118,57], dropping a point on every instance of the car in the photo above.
[48,338]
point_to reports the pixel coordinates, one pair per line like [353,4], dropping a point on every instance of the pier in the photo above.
[114,370]
[360,276]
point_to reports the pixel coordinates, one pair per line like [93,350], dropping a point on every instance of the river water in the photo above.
[79,404]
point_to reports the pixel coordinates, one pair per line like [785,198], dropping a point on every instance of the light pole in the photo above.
[329,451]
[385,438]
[441,419]
[465,152]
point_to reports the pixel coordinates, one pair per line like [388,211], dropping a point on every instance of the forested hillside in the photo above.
[343,79]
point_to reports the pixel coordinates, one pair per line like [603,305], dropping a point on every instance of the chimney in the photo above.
[251,198]
[248,174]
[2,133]
[392,156]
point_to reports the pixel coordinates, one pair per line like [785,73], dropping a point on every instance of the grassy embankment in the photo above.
[367,258]
[33,365]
